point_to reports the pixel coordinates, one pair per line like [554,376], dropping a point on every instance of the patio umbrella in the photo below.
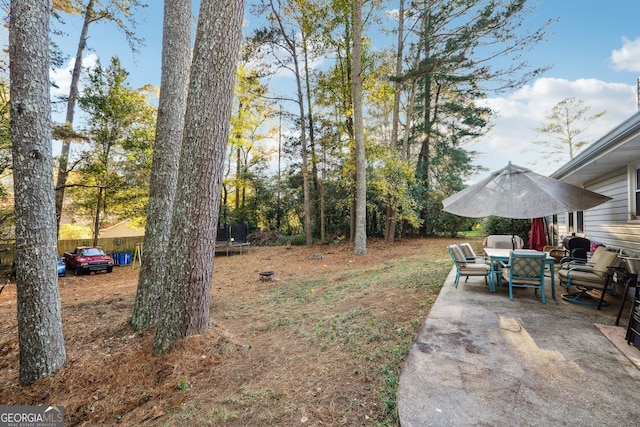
[518,193]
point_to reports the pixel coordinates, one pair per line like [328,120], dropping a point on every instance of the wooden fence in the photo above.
[110,245]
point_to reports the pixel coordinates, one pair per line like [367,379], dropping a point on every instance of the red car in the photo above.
[87,259]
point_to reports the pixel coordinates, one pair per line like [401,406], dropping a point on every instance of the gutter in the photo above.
[608,142]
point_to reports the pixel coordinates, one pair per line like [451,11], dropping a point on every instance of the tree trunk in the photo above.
[176,57]
[312,144]
[390,223]
[358,127]
[238,175]
[96,220]
[303,133]
[40,336]
[63,163]
[304,154]
[323,219]
[186,300]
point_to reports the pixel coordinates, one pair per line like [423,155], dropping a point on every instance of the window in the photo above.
[633,188]
[570,224]
[580,222]
[637,192]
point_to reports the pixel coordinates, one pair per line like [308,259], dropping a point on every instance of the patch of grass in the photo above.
[183,385]
[328,311]
[225,416]
[299,293]
[250,399]
[378,344]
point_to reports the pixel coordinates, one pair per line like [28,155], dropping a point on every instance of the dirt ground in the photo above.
[320,344]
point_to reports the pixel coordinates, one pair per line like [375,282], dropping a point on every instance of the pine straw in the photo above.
[117,374]
[282,352]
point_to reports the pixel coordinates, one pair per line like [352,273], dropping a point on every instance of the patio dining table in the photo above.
[495,255]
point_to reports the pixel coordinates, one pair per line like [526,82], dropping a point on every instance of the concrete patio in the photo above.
[483,360]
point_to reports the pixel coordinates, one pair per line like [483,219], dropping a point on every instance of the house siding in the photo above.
[609,223]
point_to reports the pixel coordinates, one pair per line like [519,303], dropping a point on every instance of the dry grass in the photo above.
[319,345]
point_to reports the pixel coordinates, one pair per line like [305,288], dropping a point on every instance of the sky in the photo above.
[593,49]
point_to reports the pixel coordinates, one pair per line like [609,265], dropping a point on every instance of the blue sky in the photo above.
[593,48]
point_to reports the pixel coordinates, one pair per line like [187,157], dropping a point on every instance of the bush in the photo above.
[299,240]
[499,225]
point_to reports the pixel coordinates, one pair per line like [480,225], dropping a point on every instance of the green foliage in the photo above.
[563,132]
[5,136]
[183,385]
[297,239]
[447,54]
[444,223]
[246,188]
[392,181]
[113,174]
[453,68]
[74,231]
[499,225]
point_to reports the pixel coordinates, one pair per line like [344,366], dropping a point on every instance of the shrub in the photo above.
[499,225]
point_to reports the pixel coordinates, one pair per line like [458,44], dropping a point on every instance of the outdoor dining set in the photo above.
[527,268]
[518,193]
[591,279]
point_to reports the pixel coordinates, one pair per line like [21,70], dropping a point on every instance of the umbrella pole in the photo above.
[513,234]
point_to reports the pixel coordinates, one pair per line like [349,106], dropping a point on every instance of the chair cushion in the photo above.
[603,258]
[600,260]
[502,241]
[583,278]
[467,250]
[470,254]
[532,282]
[473,269]
[457,253]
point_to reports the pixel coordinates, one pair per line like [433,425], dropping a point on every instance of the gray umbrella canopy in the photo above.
[517,192]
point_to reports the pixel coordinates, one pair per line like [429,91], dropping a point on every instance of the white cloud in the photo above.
[521,112]
[627,58]
[62,76]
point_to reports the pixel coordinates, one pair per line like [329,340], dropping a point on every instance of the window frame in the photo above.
[633,185]
[570,223]
[580,222]
[636,192]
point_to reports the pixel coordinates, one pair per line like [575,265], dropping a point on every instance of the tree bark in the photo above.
[358,127]
[63,163]
[316,197]
[186,300]
[40,335]
[303,133]
[390,223]
[176,57]
[96,219]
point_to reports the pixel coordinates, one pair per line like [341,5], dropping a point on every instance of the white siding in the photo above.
[609,223]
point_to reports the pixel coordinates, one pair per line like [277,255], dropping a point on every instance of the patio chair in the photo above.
[503,241]
[525,270]
[594,275]
[466,268]
[470,254]
[555,252]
